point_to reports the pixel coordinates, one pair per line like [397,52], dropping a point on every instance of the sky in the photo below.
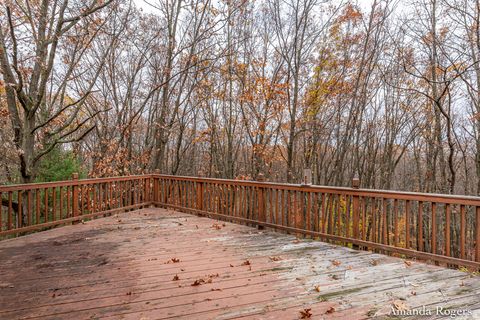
[148,8]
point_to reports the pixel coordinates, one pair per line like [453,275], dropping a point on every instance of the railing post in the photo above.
[75,195]
[356,209]
[199,195]
[156,187]
[146,191]
[261,201]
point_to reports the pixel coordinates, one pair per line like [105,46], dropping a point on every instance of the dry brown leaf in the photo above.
[305,313]
[317,288]
[173,260]
[408,263]
[216,226]
[198,282]
[400,305]
[336,263]
[273,258]
[330,310]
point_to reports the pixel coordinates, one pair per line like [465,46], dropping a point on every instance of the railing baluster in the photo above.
[462,231]
[374,220]
[316,217]
[434,228]
[407,224]
[384,219]
[477,227]
[364,203]
[10,210]
[29,208]
[20,210]
[420,246]
[395,222]
[324,212]
[348,213]
[447,230]
[339,214]
[54,203]
[46,205]
[39,208]
[75,195]
[61,203]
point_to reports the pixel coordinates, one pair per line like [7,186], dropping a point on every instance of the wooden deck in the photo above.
[159,264]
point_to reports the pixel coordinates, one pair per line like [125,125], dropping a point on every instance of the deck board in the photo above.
[120,267]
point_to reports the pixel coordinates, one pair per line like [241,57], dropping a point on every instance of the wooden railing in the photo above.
[436,227]
[36,206]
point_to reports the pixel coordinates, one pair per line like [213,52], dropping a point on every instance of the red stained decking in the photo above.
[121,267]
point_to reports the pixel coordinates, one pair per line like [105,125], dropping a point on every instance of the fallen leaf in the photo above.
[216,226]
[408,263]
[305,313]
[330,310]
[374,262]
[400,305]
[198,282]
[317,288]
[275,258]
[173,260]
[176,278]
[336,263]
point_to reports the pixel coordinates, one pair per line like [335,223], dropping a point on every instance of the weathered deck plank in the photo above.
[120,267]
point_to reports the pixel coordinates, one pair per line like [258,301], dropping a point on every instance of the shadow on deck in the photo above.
[159,264]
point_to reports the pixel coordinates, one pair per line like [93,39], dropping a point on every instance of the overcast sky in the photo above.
[148,8]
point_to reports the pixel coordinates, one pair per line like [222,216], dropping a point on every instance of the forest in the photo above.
[386,91]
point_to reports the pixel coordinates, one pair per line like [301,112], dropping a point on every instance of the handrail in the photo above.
[437,227]
[404,195]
